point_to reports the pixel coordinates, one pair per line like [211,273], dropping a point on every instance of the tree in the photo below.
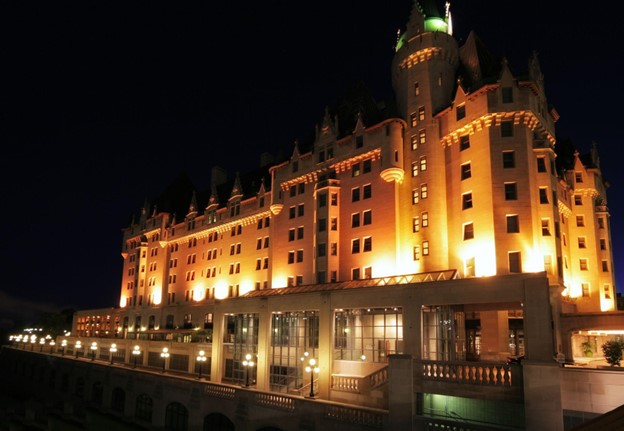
[613,351]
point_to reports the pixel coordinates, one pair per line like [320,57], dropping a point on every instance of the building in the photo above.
[408,251]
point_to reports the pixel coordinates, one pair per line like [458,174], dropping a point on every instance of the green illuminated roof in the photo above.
[435,24]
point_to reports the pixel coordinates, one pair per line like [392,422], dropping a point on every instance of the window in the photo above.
[543,195]
[603,244]
[413,119]
[415,194]
[321,250]
[367,166]
[578,200]
[293,191]
[541,164]
[355,246]
[334,223]
[416,224]
[291,212]
[464,142]
[414,141]
[601,223]
[466,201]
[511,191]
[355,194]
[359,142]
[578,177]
[422,137]
[355,220]
[414,169]
[468,231]
[545,227]
[460,113]
[368,272]
[469,267]
[291,257]
[368,244]
[423,163]
[465,171]
[425,219]
[424,191]
[355,170]
[585,290]
[299,255]
[334,248]
[367,217]
[416,252]
[513,225]
[425,248]
[355,273]
[300,232]
[322,225]
[582,242]
[507,93]
[515,265]
[509,159]
[416,89]
[605,266]
[421,113]
[583,264]
[580,220]
[322,201]
[300,210]
[291,237]
[367,191]
[506,129]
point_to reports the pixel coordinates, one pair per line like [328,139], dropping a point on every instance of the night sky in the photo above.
[103,104]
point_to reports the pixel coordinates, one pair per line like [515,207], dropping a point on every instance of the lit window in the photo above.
[468,231]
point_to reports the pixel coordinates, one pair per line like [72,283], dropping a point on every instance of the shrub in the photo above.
[613,351]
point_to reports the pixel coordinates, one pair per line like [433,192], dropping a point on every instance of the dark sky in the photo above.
[103,104]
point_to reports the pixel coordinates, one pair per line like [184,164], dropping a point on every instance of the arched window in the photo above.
[176,417]
[217,422]
[118,402]
[144,408]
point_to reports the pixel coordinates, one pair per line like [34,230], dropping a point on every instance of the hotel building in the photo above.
[409,251]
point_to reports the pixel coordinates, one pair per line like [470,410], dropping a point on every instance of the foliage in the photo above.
[613,351]
[588,349]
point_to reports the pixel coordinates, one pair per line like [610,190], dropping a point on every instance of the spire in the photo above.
[192,210]
[213,201]
[237,190]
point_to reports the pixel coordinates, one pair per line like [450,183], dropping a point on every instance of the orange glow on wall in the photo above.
[157,297]
[221,290]
[122,302]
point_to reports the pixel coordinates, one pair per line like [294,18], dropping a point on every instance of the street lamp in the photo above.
[112,350]
[52,343]
[136,352]
[164,355]
[312,368]
[201,358]
[248,364]
[63,345]
[41,343]
[93,349]
[77,347]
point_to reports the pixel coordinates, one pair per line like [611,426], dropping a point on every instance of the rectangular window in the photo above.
[512,224]
[291,212]
[334,223]
[603,244]
[583,264]
[511,191]
[545,227]
[578,177]
[582,242]
[421,113]
[414,141]
[425,219]
[468,231]
[322,225]
[367,166]
[507,93]
[355,220]
[300,232]
[466,201]
[423,163]
[515,264]
[601,223]
[367,217]
[509,159]
[300,210]
[334,249]
[291,237]
[355,274]
[355,194]
[543,195]
[291,257]
[322,200]
[507,129]
[585,290]
[415,195]
[460,113]
[355,170]
[299,255]
[414,169]
[424,191]
[355,246]
[541,164]
[464,142]
[368,244]
[578,200]
[580,221]
[465,171]
[422,137]
[416,89]
[368,272]
[367,191]
[416,252]
[413,119]
[321,250]
[425,248]
[605,266]
[416,224]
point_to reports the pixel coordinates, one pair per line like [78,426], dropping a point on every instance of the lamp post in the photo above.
[312,368]
[63,345]
[112,350]
[136,352]
[93,349]
[164,355]
[52,343]
[201,358]
[41,343]
[77,347]
[248,364]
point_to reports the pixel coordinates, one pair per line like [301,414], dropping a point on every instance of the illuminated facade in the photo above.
[451,232]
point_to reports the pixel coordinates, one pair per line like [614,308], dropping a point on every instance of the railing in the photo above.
[476,373]
[359,384]
[275,401]
[356,416]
